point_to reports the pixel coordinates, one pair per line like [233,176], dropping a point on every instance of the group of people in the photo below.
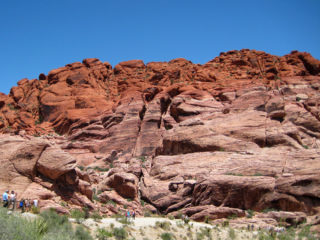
[132,214]
[10,199]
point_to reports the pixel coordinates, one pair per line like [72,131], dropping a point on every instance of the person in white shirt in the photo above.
[13,198]
[35,202]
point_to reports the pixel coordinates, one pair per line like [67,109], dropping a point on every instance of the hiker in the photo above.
[22,205]
[5,198]
[13,198]
[35,202]
[128,214]
[133,215]
[27,202]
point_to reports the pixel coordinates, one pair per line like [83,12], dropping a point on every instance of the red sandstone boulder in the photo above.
[53,163]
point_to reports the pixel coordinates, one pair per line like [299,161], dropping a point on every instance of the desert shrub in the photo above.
[167,236]
[288,234]
[205,233]
[82,234]
[56,221]
[199,236]
[232,233]
[206,219]
[95,197]
[233,216]
[111,203]
[186,220]
[120,233]
[142,158]
[96,216]
[266,236]
[147,213]
[180,224]
[77,214]
[48,227]
[101,169]
[179,215]
[250,213]
[103,234]
[269,210]
[165,225]
[14,227]
[81,168]
[225,223]
[35,210]
[305,233]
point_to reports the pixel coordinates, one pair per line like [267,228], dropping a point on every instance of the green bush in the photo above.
[164,225]
[204,232]
[81,168]
[147,213]
[232,233]
[101,169]
[120,233]
[82,234]
[111,203]
[225,223]
[77,213]
[269,210]
[95,197]
[186,220]
[305,233]
[142,158]
[180,224]
[49,226]
[103,234]
[206,219]
[19,229]
[96,216]
[167,236]
[54,220]
[250,213]
[35,210]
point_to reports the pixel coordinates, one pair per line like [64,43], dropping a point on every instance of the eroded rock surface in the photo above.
[237,133]
[36,170]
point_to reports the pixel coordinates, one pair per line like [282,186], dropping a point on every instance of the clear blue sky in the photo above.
[39,35]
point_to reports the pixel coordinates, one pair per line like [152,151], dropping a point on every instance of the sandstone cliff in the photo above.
[239,132]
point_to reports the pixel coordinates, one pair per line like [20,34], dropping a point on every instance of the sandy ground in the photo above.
[151,228]
[146,228]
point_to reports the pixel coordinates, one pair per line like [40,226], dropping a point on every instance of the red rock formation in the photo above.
[36,170]
[239,132]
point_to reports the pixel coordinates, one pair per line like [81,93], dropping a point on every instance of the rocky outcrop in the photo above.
[35,169]
[210,141]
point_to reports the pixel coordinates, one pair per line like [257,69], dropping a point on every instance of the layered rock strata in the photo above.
[237,133]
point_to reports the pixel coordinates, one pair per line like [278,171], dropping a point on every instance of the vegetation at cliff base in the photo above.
[48,226]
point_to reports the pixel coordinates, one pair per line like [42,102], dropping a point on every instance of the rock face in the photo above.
[210,141]
[37,170]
